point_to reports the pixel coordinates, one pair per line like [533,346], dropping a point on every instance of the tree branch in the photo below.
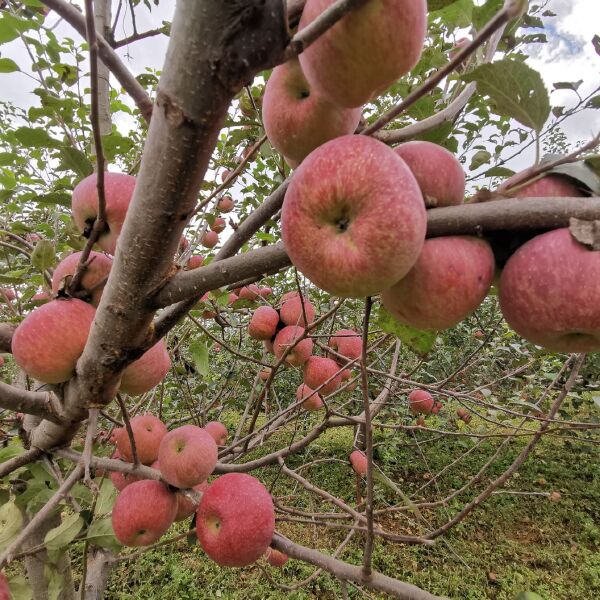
[42,404]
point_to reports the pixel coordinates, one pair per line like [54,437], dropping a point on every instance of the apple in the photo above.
[450,279]
[547,186]
[263,324]
[41,298]
[231,298]
[121,480]
[359,462]
[225,204]
[185,507]
[32,238]
[292,313]
[287,337]
[195,261]
[366,51]
[463,414]
[276,558]
[225,175]
[437,171]
[218,225]
[210,239]
[218,432]
[322,374]
[187,456]
[348,343]
[51,338]
[148,432]
[147,371]
[4,589]
[184,244]
[235,521]
[296,119]
[250,292]
[118,191]
[555,497]
[96,272]
[310,399]
[143,512]
[550,293]
[353,219]
[421,402]
[265,292]
[6,294]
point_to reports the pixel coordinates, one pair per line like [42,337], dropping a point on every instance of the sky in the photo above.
[569,56]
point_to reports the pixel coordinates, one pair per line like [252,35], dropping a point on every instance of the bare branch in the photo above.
[42,404]
[21,460]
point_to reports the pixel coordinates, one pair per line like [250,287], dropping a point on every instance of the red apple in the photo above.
[366,51]
[185,507]
[292,313]
[225,204]
[322,374]
[265,292]
[287,338]
[96,271]
[450,279]
[121,480]
[231,298]
[353,219]
[548,186]
[4,589]
[148,432]
[250,292]
[218,432]
[6,294]
[41,298]
[359,462]
[348,343]
[235,520]
[210,239]
[276,558]
[143,512]
[263,324]
[310,399]
[437,171]
[421,402]
[118,191]
[147,371]
[187,456]
[50,340]
[550,293]
[218,225]
[184,244]
[297,120]
[195,261]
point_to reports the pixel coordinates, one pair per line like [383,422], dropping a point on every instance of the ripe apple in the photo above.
[96,272]
[4,589]
[437,171]
[366,51]
[286,338]
[185,507]
[353,219]
[218,432]
[359,462]
[464,415]
[118,191]
[265,292]
[225,204]
[195,261]
[218,225]
[548,186]
[291,310]
[421,402]
[148,432]
[143,512]
[310,399]
[235,521]
[231,298]
[250,292]
[450,279]
[41,298]
[276,558]
[147,371]
[51,338]
[550,293]
[225,174]
[121,480]
[263,324]
[210,239]
[297,120]
[6,294]
[348,343]
[322,374]
[187,456]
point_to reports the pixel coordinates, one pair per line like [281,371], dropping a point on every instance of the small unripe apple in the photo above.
[235,521]
[291,311]
[310,399]
[285,339]
[322,374]
[148,432]
[218,432]
[421,402]
[210,239]
[347,342]
[143,512]
[359,462]
[263,324]
[218,225]
[276,558]
[147,371]
[225,204]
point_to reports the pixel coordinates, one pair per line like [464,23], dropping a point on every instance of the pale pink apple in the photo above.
[437,171]
[292,312]
[147,371]
[187,456]
[250,292]
[550,293]
[218,432]
[297,120]
[235,521]
[310,399]
[95,274]
[218,225]
[548,186]
[231,298]
[322,374]
[288,338]
[225,204]
[4,589]
[263,323]
[366,51]
[143,512]
[276,558]
[421,402]
[353,219]
[265,292]
[348,343]
[6,295]
[51,338]
[41,298]
[195,261]
[450,279]
[185,507]
[210,239]
[359,462]
[148,432]
[118,191]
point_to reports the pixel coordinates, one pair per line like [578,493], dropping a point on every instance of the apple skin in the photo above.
[195,261]
[4,589]
[147,371]
[353,218]
[311,401]
[143,512]
[264,373]
[231,298]
[550,293]
[235,521]
[437,171]
[148,432]
[348,343]
[98,269]
[548,186]
[276,558]
[118,191]
[265,292]
[218,432]
[187,456]
[185,507]
[366,51]
[291,311]
[225,204]
[121,480]
[210,239]
[6,294]
[421,402]
[296,119]
[51,338]
[263,324]
[359,462]
[301,351]
[218,225]
[250,292]
[319,370]
[450,279]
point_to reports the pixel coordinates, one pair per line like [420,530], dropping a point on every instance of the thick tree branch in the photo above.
[8,466]
[42,404]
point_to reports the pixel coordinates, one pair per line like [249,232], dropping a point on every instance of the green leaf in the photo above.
[76,161]
[528,596]
[54,198]
[481,157]
[19,588]
[35,137]
[499,172]
[417,340]
[596,44]
[11,521]
[106,498]
[515,90]
[43,255]
[582,171]
[199,353]
[101,534]
[8,66]
[567,85]
[482,14]
[60,537]
[55,580]
[11,26]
